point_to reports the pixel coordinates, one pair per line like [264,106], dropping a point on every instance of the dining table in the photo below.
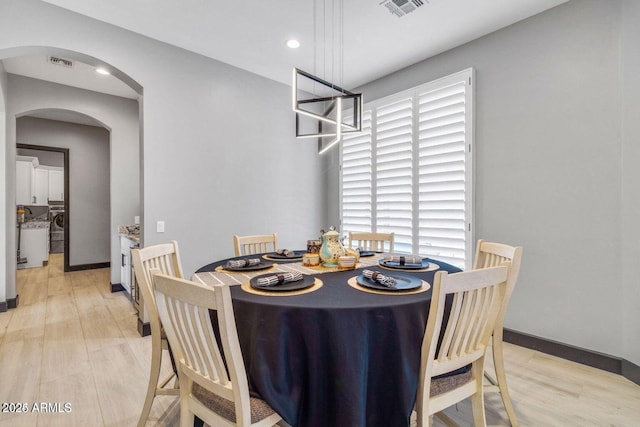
[336,353]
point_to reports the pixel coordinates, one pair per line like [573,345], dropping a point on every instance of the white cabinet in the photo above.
[34,247]
[42,186]
[37,184]
[25,179]
[56,184]
[126,267]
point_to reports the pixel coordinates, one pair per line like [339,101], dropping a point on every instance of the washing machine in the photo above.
[56,237]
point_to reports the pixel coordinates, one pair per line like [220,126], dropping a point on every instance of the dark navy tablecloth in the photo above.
[337,356]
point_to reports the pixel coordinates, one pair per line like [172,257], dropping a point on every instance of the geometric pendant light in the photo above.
[323,109]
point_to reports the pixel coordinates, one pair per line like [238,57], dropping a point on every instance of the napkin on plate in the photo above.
[279,279]
[239,263]
[286,252]
[412,260]
[380,278]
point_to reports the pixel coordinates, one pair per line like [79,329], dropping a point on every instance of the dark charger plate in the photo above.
[306,282]
[367,253]
[275,255]
[404,283]
[263,265]
[392,264]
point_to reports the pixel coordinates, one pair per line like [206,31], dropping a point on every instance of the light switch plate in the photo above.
[160,226]
[136,219]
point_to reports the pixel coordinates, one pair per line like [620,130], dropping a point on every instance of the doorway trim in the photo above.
[67,195]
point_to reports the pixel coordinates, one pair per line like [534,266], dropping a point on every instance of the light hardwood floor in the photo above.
[73,341]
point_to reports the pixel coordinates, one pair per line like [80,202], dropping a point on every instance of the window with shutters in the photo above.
[410,170]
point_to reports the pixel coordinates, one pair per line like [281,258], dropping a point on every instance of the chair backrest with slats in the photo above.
[257,244]
[184,310]
[477,296]
[164,257]
[378,242]
[490,254]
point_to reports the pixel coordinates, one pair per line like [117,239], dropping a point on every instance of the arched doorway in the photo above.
[79,102]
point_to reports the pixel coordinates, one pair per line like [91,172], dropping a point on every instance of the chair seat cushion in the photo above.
[226,409]
[444,383]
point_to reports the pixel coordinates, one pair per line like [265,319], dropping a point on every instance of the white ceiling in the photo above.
[251,34]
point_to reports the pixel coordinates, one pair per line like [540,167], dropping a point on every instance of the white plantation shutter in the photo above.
[409,172]
[357,178]
[442,192]
[394,172]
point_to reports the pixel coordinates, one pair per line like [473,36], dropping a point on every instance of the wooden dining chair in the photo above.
[490,254]
[377,242]
[213,380]
[257,244]
[166,258]
[477,297]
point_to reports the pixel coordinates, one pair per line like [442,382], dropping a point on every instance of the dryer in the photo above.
[57,217]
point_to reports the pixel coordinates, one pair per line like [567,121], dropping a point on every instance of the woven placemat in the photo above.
[431,267]
[246,286]
[353,282]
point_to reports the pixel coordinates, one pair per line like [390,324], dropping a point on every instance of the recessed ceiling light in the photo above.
[103,71]
[293,43]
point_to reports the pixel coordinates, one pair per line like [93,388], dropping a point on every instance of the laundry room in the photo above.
[39,206]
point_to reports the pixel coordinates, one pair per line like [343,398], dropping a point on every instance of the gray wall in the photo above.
[549,156]
[219,154]
[88,197]
[630,193]
[118,115]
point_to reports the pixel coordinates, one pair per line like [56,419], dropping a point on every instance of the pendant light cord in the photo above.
[341,43]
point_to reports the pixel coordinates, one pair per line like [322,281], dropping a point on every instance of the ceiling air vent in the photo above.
[67,63]
[402,7]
